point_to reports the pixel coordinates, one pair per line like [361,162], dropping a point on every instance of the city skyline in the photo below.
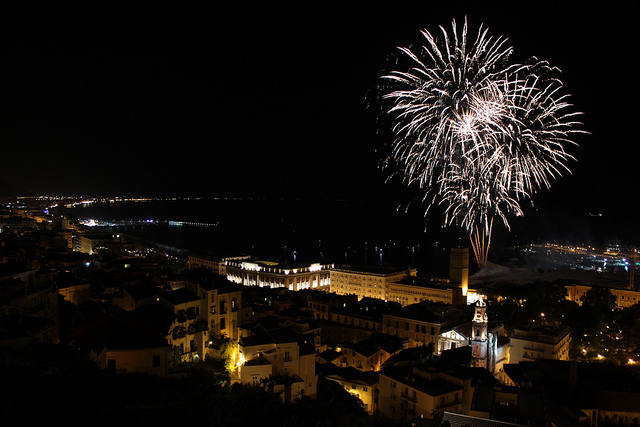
[273,101]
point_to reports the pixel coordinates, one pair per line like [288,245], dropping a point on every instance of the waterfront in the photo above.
[340,231]
[357,231]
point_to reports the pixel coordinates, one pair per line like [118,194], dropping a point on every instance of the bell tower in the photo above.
[479,338]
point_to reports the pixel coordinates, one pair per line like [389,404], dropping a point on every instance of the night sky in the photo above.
[270,99]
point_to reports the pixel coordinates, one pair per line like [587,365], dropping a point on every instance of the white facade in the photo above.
[273,275]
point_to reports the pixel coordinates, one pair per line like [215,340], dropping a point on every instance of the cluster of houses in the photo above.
[408,348]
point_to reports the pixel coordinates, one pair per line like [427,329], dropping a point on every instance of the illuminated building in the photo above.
[221,307]
[490,347]
[186,335]
[90,243]
[480,352]
[419,324]
[275,275]
[411,290]
[544,342]
[366,282]
[369,354]
[459,268]
[362,384]
[269,355]
[75,292]
[403,286]
[625,297]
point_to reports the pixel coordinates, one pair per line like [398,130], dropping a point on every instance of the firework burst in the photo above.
[477,134]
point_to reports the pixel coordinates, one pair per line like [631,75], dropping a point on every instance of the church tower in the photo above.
[479,335]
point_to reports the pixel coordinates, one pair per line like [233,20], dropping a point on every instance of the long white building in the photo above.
[276,275]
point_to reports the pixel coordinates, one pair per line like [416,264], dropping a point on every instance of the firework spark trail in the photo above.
[475,133]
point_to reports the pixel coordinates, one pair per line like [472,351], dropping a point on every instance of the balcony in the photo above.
[409,397]
[446,405]
[411,411]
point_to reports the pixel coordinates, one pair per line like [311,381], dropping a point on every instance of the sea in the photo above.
[366,231]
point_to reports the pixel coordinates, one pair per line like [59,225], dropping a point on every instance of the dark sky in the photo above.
[263,98]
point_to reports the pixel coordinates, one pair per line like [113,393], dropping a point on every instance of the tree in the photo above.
[600,298]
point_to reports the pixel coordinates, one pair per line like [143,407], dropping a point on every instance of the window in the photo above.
[212,309]
[223,323]
[365,389]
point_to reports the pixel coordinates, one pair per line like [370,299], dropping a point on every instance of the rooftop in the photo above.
[368,269]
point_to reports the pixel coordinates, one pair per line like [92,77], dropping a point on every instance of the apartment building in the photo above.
[544,342]
[280,355]
[419,323]
[220,306]
[187,333]
[411,392]
[366,282]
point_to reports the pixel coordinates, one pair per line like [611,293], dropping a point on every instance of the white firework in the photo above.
[478,135]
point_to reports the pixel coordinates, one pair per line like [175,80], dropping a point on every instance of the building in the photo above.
[28,293]
[212,263]
[362,384]
[115,243]
[221,306]
[120,343]
[419,323]
[490,348]
[543,342]
[459,268]
[281,357]
[207,262]
[411,392]
[188,332]
[131,298]
[355,320]
[76,291]
[269,274]
[579,393]
[625,297]
[411,290]
[322,303]
[366,282]
[369,354]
